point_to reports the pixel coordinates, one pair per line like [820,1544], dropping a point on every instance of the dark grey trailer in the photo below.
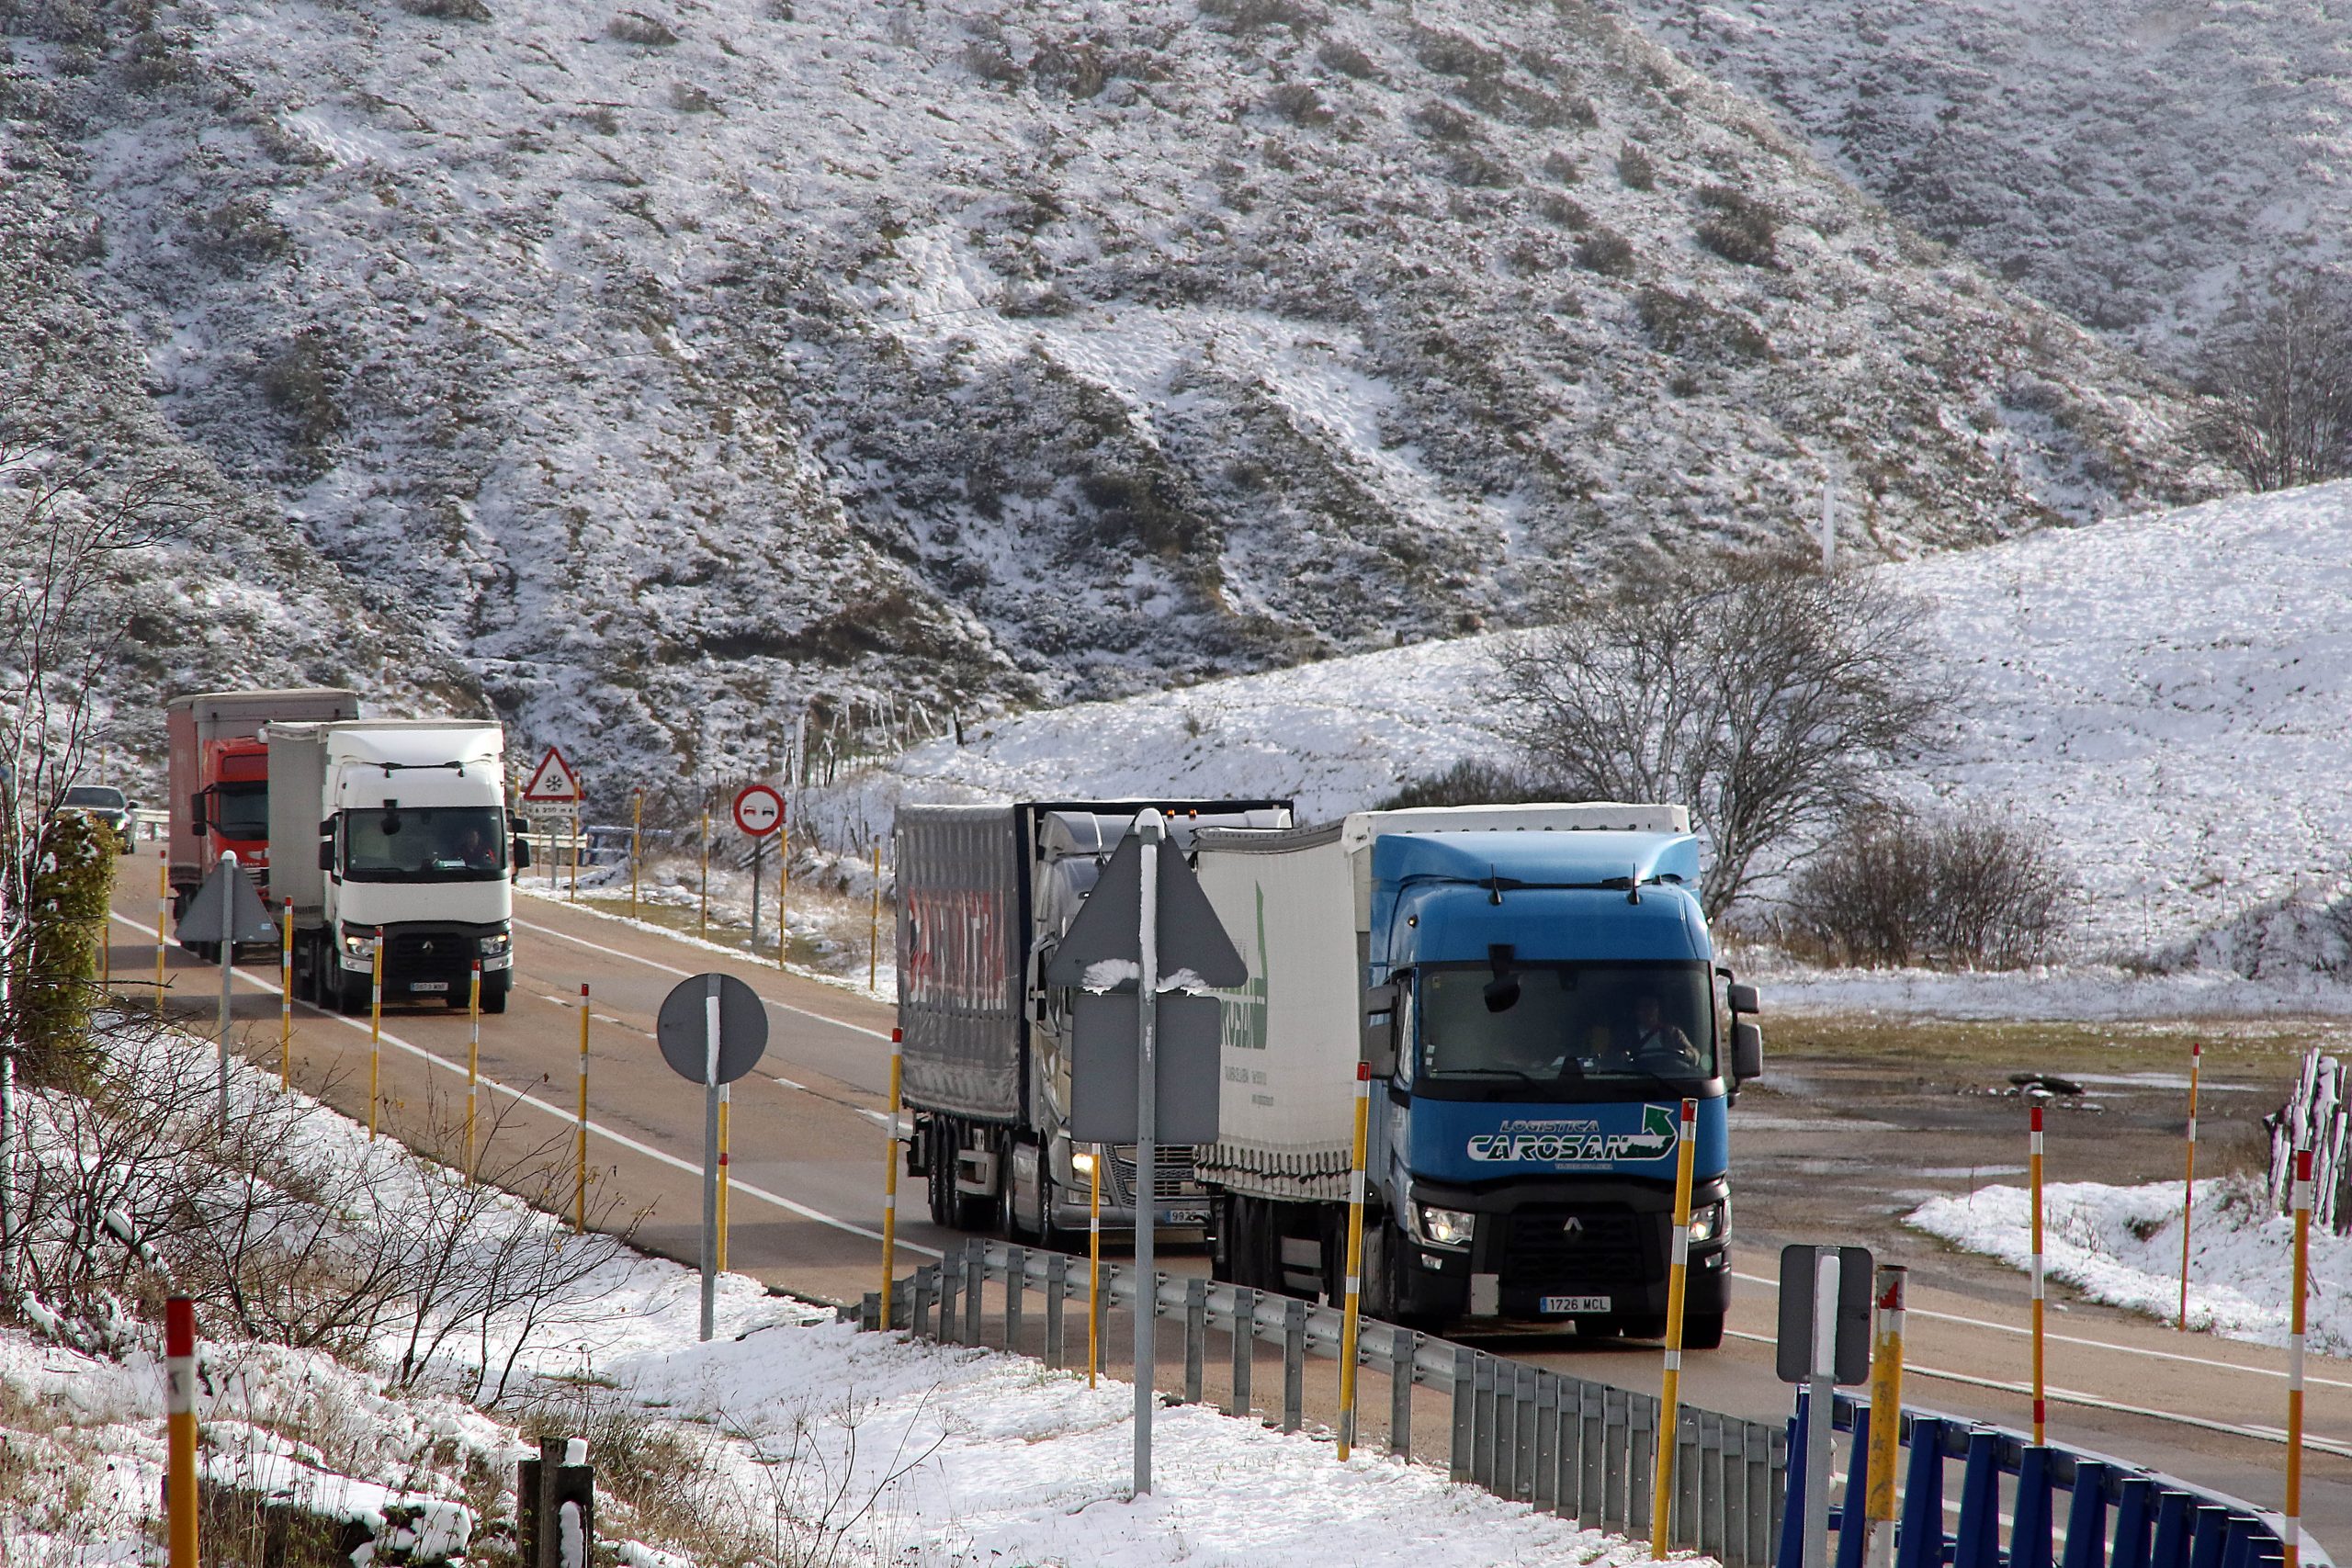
[985,892]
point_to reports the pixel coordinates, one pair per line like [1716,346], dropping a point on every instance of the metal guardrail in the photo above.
[1581,1450]
[1585,1450]
[2115,1514]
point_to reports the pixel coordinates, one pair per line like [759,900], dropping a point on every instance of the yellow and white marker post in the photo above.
[1093,1264]
[375,1028]
[580,1131]
[2290,1527]
[2188,1182]
[163,916]
[179,1429]
[473,1065]
[2041,1392]
[636,843]
[106,954]
[1352,1315]
[1677,1280]
[702,919]
[726,1101]
[1886,1418]
[579,847]
[890,1174]
[874,923]
[286,998]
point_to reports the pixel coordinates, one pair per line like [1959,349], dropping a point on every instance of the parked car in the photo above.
[107,803]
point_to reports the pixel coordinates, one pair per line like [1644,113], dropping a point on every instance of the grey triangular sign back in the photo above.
[226,908]
[1190,936]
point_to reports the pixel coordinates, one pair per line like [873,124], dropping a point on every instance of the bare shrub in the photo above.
[2282,389]
[1764,695]
[1568,212]
[1606,252]
[1300,104]
[637,28]
[1443,122]
[1561,166]
[274,1222]
[1634,169]
[1346,59]
[1739,229]
[989,60]
[1252,15]
[1971,890]
[1473,780]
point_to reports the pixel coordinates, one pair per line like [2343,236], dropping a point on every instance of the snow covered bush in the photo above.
[1973,890]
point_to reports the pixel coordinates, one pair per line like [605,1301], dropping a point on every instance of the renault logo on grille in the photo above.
[1572,1226]
[428,947]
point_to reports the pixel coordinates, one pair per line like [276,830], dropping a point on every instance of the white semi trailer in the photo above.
[394,831]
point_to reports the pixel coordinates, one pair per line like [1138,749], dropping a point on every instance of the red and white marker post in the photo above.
[890,1175]
[179,1429]
[2291,1526]
[2188,1182]
[2041,1400]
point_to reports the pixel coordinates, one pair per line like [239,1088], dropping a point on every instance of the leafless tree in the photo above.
[2281,389]
[1765,695]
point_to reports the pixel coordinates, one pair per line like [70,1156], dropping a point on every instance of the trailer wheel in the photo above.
[935,1181]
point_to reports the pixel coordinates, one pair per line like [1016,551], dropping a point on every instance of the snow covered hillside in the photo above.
[2136,166]
[2168,691]
[678,364]
[227,592]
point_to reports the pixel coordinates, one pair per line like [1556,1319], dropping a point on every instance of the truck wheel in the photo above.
[934,1181]
[348,998]
[493,993]
[1703,1331]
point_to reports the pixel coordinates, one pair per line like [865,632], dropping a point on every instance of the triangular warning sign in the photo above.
[226,909]
[552,782]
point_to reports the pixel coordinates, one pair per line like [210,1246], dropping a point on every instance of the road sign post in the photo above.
[712,1030]
[555,783]
[225,910]
[759,812]
[1146,915]
[1824,1329]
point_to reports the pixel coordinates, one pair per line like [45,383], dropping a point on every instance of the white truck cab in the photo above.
[394,832]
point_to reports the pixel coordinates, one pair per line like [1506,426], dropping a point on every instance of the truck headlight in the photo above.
[1082,1163]
[1443,1227]
[491,946]
[359,942]
[1710,1222]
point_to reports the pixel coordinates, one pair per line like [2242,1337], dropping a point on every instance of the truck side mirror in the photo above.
[326,855]
[521,852]
[1742,996]
[1380,1029]
[196,814]
[1747,1051]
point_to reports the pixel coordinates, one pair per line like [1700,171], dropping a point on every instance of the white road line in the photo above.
[2092,1344]
[567,1115]
[687,974]
[2096,1401]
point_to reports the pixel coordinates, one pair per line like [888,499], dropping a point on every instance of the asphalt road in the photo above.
[808,1142]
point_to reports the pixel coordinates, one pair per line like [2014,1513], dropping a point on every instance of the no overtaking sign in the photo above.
[757,810]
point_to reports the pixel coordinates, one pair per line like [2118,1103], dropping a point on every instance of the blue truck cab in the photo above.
[1537,995]
[1551,1005]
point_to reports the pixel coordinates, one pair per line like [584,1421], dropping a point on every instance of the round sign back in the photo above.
[684,1031]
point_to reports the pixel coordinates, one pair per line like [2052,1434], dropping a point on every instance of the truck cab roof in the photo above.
[1435,896]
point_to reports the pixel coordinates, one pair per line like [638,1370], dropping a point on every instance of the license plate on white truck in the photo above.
[1572,1303]
[428,985]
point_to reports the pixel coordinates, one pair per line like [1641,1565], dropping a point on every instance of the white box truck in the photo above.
[395,831]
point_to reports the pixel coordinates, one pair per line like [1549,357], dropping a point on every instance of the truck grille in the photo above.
[429,955]
[1576,1247]
[1174,1179]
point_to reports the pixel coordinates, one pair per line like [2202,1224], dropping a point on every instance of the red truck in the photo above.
[219,777]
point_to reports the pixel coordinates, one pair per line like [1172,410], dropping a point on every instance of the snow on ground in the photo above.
[2121,1246]
[798,1430]
[2167,691]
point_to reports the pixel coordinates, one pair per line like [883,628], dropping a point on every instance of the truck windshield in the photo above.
[424,843]
[241,811]
[1569,1028]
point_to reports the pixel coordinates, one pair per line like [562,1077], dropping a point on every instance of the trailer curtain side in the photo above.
[961,942]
